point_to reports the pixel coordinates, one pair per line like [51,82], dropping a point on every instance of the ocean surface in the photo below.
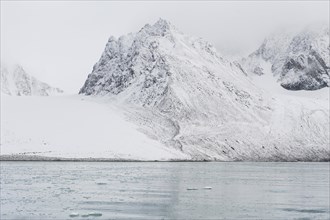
[164,190]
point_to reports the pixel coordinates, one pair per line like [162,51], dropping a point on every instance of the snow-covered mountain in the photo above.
[298,60]
[183,94]
[160,94]
[17,82]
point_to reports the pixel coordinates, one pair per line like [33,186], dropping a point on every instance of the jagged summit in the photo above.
[17,82]
[150,60]
[163,23]
[160,27]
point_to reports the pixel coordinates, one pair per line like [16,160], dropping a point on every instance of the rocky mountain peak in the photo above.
[160,28]
[159,66]
[299,60]
[163,25]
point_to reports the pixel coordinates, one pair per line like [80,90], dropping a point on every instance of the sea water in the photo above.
[164,190]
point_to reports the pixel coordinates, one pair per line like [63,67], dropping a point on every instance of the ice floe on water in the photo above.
[190,188]
[74,214]
[207,187]
[96,214]
[101,183]
[91,214]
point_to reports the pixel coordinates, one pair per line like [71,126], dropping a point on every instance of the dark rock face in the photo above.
[305,72]
[125,59]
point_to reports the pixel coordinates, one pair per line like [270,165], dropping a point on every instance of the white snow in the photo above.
[268,84]
[73,127]
[161,95]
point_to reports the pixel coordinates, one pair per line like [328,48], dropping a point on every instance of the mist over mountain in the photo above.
[298,60]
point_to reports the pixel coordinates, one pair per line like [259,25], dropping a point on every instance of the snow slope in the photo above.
[102,128]
[73,127]
[15,81]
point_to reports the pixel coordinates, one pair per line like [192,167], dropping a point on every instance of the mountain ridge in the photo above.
[18,82]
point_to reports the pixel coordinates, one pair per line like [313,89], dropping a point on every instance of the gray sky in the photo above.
[59,42]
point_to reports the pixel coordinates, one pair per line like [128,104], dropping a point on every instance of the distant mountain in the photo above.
[298,60]
[17,82]
[179,91]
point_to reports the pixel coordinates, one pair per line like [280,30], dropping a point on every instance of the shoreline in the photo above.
[34,158]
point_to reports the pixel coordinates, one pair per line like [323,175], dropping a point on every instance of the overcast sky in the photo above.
[59,42]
